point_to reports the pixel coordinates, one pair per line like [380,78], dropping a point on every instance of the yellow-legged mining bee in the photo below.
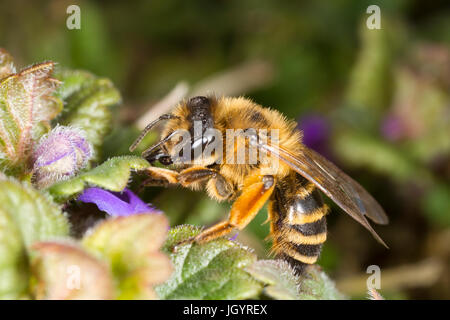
[287,174]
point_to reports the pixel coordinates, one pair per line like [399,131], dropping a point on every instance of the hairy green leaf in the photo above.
[214,270]
[111,175]
[282,283]
[26,108]
[131,246]
[87,104]
[25,217]
[6,64]
[317,285]
[13,259]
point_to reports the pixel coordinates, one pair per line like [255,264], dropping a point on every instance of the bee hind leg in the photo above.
[257,190]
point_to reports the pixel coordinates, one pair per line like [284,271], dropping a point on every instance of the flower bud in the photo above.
[59,155]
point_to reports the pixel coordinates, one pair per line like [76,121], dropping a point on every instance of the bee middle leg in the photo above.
[195,175]
[257,190]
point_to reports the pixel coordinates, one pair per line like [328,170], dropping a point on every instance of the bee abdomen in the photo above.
[298,226]
[303,242]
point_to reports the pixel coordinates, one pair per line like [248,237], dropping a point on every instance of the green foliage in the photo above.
[88,102]
[422,105]
[361,150]
[317,285]
[65,271]
[29,102]
[37,216]
[6,64]
[436,204]
[26,108]
[120,139]
[13,266]
[118,259]
[281,283]
[131,247]
[372,77]
[26,216]
[354,76]
[214,270]
[111,175]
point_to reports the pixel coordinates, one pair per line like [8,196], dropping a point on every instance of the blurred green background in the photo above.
[376,102]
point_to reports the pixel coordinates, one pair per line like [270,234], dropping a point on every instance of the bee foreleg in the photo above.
[163,177]
[160,177]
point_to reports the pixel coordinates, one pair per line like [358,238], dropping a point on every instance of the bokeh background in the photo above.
[376,102]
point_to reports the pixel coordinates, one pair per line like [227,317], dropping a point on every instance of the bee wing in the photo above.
[337,185]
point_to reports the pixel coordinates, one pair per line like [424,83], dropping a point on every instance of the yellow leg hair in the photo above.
[257,190]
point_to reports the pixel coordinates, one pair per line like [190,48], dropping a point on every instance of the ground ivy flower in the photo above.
[60,154]
[234,237]
[392,128]
[316,133]
[116,203]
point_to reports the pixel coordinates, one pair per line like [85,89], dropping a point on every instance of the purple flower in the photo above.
[116,203]
[233,238]
[392,128]
[316,133]
[59,155]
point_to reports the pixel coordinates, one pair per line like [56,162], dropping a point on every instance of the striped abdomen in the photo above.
[298,223]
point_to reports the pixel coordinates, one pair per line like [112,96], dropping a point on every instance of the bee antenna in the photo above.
[167,138]
[144,132]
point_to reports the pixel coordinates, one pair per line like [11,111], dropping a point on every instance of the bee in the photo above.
[292,187]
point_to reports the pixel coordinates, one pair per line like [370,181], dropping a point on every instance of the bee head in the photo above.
[193,122]
[199,112]
[201,128]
